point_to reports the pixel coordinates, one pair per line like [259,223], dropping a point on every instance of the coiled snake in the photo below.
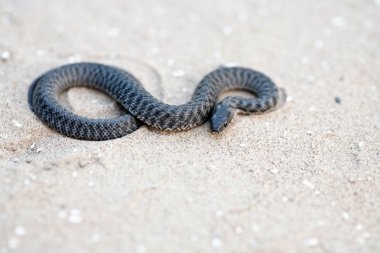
[143,108]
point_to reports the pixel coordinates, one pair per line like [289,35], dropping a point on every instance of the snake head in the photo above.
[221,117]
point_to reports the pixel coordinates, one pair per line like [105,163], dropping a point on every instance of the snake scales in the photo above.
[143,108]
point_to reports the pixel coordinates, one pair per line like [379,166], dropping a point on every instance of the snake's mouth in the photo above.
[221,117]
[218,128]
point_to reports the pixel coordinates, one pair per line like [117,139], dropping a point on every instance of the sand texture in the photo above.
[303,178]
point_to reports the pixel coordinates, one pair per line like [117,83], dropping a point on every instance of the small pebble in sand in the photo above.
[13,243]
[253,243]
[318,44]
[345,216]
[26,182]
[255,228]
[113,32]
[62,214]
[338,100]
[155,51]
[59,29]
[359,227]
[308,184]
[219,213]
[242,15]
[178,73]
[289,99]
[360,240]
[3,136]
[217,54]
[194,238]
[305,60]
[82,164]
[75,216]
[227,30]
[311,78]
[325,65]
[5,55]
[91,183]
[238,230]
[17,124]
[274,171]
[74,59]
[216,242]
[229,64]
[141,249]
[95,237]
[170,62]
[190,200]
[338,21]
[311,242]
[366,235]
[40,52]
[20,230]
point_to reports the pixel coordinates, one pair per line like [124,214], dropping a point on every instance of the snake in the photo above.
[142,107]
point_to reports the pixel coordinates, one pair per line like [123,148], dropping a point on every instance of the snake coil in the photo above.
[143,108]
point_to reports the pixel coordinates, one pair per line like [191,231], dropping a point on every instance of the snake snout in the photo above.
[221,117]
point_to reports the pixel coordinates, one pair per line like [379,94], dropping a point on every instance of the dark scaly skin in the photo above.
[142,106]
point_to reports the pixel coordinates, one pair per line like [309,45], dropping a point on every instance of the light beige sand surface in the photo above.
[304,178]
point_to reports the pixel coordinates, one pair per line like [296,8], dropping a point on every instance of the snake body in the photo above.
[143,108]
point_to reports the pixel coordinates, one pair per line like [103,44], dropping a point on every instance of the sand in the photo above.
[303,178]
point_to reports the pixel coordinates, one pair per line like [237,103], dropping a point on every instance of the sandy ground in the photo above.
[304,178]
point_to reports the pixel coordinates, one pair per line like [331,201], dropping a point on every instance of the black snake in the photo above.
[143,108]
